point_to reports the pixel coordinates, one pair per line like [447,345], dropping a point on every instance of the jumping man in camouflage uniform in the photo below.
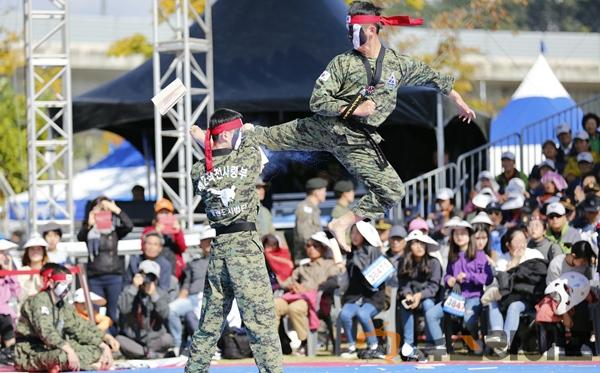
[354,141]
[236,266]
[51,336]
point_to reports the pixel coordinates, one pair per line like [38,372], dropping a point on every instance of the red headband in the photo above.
[223,127]
[49,274]
[386,21]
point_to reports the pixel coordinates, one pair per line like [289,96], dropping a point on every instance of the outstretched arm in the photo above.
[464,111]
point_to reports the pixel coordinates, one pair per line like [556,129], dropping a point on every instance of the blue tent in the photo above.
[112,176]
[539,96]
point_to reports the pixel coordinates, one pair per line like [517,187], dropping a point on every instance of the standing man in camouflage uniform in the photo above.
[51,336]
[344,193]
[264,221]
[236,266]
[308,215]
[351,99]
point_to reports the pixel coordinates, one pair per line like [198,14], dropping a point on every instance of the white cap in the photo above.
[508,155]
[515,186]
[369,233]
[79,297]
[7,245]
[555,208]
[35,240]
[208,233]
[481,200]
[563,128]
[482,218]
[585,157]
[582,135]
[548,163]
[149,266]
[457,222]
[485,175]
[444,194]
[514,201]
[322,238]
[418,235]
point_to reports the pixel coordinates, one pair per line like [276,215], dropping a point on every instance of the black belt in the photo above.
[242,226]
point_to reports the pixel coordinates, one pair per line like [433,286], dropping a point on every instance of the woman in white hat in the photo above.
[419,277]
[361,300]
[35,257]
[9,290]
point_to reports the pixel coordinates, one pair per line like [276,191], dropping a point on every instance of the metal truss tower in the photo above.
[173,166]
[49,121]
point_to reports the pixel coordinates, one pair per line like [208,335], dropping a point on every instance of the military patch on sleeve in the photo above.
[325,75]
[391,82]
[308,209]
[44,310]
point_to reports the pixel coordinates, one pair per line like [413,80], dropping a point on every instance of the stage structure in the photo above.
[49,136]
[173,166]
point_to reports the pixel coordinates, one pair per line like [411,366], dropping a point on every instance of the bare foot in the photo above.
[338,227]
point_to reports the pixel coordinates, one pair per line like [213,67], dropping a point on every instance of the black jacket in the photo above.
[526,283]
[108,261]
[428,284]
[359,288]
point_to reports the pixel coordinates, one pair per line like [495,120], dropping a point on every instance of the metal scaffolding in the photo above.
[49,126]
[173,166]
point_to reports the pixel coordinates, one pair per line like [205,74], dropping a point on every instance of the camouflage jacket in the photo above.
[345,76]
[41,320]
[228,191]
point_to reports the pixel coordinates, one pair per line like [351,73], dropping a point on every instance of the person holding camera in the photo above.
[144,309]
[151,250]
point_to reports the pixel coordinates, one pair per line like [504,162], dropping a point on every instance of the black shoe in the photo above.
[371,353]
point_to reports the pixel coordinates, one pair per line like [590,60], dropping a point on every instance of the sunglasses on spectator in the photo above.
[554,216]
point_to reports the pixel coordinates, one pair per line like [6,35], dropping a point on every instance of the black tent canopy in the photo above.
[267,55]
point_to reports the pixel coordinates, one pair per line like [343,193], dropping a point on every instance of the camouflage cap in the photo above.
[315,183]
[343,186]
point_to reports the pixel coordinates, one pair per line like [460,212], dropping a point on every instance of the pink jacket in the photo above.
[9,289]
[311,299]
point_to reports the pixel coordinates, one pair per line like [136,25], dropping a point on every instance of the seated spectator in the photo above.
[9,291]
[396,251]
[103,226]
[52,233]
[103,322]
[152,247]
[299,302]
[590,219]
[565,142]
[559,230]
[469,270]
[538,240]
[34,257]
[419,278]
[509,171]
[585,185]
[420,224]
[174,239]
[485,179]
[383,227]
[521,275]
[479,202]
[494,211]
[590,123]
[361,300]
[192,291]
[554,185]
[42,346]
[444,200]
[143,311]
[581,153]
[279,259]
[579,321]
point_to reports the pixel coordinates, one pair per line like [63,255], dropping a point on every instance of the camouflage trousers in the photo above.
[37,357]
[244,278]
[352,149]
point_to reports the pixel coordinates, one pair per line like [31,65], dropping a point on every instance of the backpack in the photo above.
[235,344]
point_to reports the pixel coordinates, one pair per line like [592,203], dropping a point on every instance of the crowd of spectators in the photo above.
[480,272]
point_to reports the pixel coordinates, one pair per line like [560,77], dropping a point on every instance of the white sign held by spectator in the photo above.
[168,96]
